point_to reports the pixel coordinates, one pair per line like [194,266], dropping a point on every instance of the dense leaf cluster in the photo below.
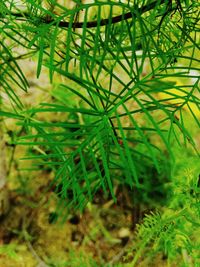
[116,59]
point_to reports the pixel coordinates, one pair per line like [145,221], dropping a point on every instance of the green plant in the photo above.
[109,102]
[172,233]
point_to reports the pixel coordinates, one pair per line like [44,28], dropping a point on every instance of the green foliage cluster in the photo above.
[88,151]
[174,232]
[113,124]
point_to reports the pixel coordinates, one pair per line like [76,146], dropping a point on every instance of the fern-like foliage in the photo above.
[102,50]
[172,234]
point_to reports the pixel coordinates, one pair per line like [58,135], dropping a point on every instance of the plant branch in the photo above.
[92,24]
